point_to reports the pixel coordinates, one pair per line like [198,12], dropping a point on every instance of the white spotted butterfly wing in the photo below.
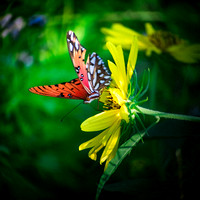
[92,76]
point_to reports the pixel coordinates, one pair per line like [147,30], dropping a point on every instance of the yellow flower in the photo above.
[155,40]
[115,98]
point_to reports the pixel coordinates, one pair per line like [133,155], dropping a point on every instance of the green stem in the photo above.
[167,115]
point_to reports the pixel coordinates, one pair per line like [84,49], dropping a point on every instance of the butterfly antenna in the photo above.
[70,111]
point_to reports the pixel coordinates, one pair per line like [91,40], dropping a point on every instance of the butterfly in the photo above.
[93,76]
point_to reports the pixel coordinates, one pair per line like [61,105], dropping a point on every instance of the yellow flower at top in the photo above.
[157,41]
[115,99]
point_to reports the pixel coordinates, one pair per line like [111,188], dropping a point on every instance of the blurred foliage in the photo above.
[39,157]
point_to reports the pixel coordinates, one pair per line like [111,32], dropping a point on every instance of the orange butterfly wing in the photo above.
[68,90]
[77,54]
[93,75]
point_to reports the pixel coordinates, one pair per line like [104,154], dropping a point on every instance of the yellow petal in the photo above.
[117,95]
[125,42]
[114,72]
[116,75]
[149,29]
[118,30]
[122,68]
[118,56]
[93,156]
[185,52]
[112,142]
[93,152]
[124,113]
[118,69]
[112,154]
[148,52]
[113,50]
[132,59]
[111,130]
[120,59]
[121,35]
[123,30]
[94,141]
[100,121]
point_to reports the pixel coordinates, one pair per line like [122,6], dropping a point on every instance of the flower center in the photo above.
[110,103]
[163,39]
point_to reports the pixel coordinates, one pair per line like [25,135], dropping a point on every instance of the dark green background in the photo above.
[39,157]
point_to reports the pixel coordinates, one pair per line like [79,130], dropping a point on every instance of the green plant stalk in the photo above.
[166,115]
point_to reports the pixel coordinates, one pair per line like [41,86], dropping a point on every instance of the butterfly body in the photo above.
[93,76]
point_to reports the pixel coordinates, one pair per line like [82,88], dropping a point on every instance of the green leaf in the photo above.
[122,152]
[115,162]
